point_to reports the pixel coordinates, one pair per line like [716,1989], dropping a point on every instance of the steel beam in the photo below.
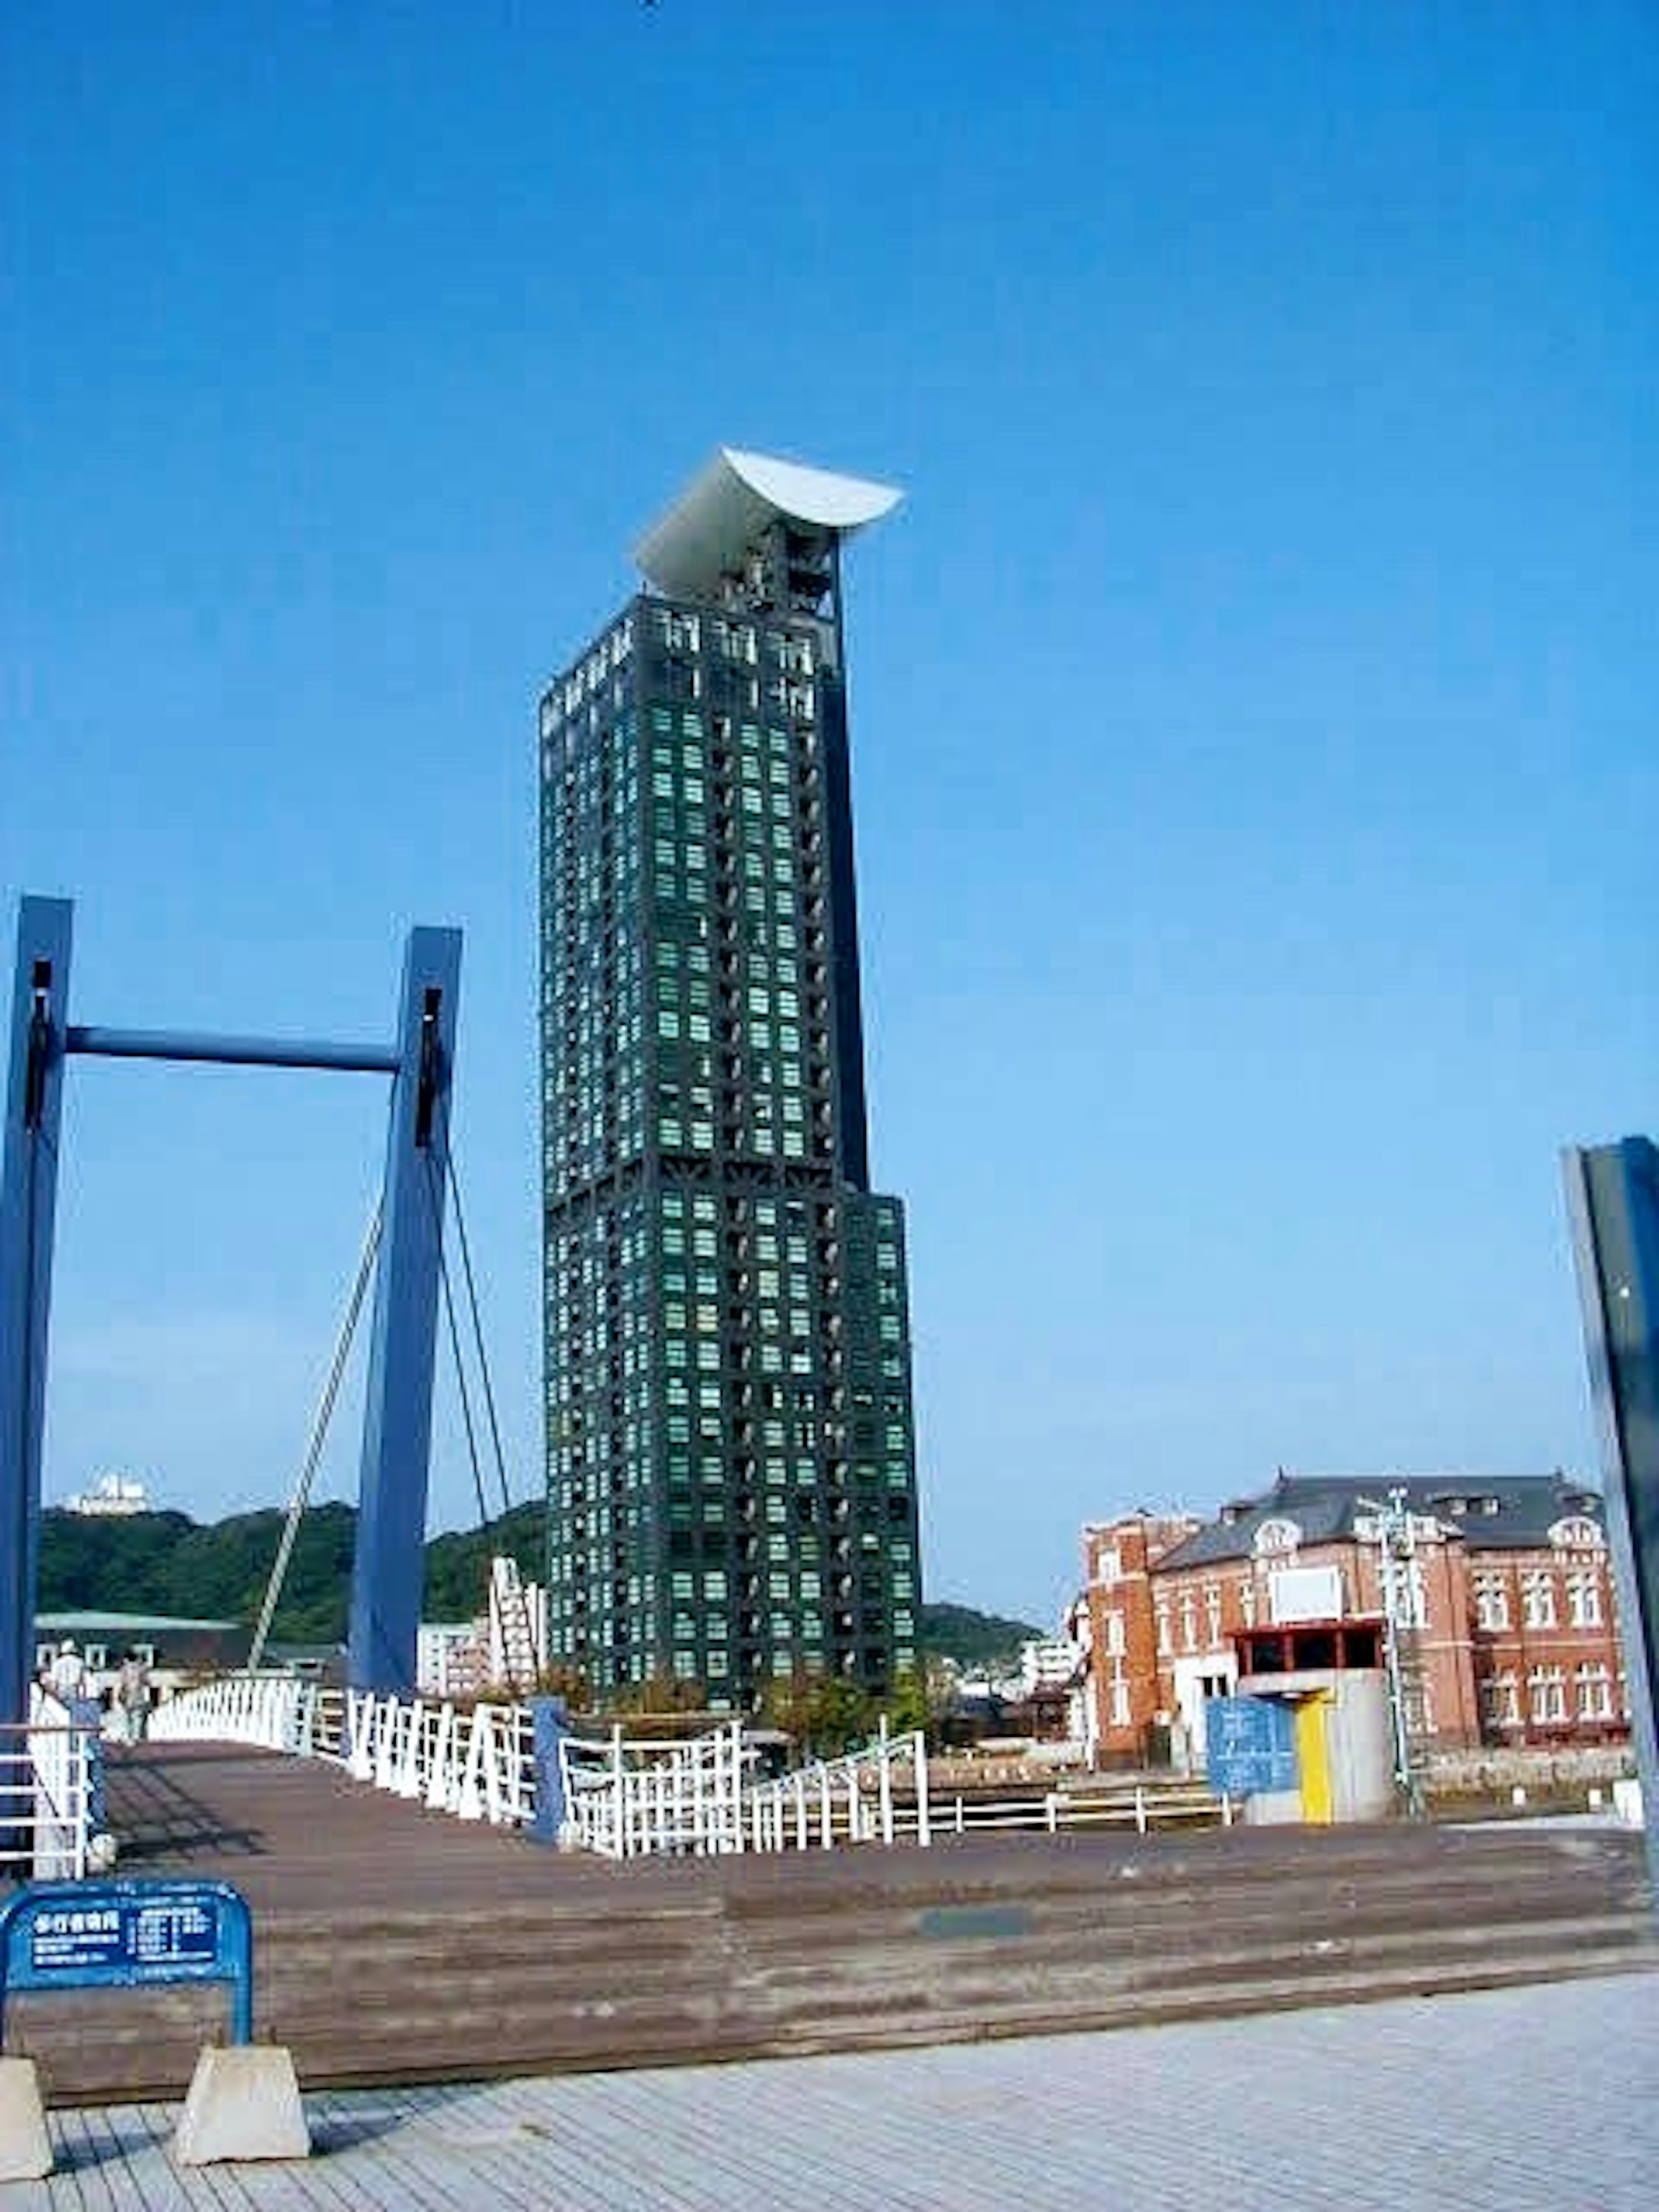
[388,1567]
[1612,1206]
[28,1193]
[232,1051]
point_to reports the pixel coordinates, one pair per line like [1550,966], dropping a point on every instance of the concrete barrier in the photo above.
[244,2103]
[25,2147]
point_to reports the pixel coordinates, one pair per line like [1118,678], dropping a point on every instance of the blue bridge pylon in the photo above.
[389,1564]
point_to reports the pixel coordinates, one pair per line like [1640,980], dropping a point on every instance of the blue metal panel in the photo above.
[551,1725]
[27,1204]
[1612,1206]
[127,1934]
[1249,1745]
[389,1565]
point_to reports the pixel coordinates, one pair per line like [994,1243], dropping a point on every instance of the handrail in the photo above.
[47,1778]
[622,1796]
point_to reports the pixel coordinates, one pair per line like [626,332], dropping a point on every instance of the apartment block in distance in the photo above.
[730,1465]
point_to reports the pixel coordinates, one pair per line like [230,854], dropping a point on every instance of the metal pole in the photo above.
[1613,1208]
[389,1567]
[28,1190]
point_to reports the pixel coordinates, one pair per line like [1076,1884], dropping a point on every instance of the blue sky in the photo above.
[1253,773]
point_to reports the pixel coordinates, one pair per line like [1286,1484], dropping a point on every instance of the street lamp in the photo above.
[1391,1528]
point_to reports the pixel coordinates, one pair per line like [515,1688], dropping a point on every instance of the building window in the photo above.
[1546,1695]
[1162,1614]
[1492,1602]
[1276,1536]
[1502,1700]
[1109,1564]
[1538,1600]
[1115,1643]
[1410,1608]
[1595,1694]
[1120,1702]
[1583,1600]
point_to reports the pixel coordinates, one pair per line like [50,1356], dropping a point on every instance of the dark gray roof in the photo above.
[1513,1512]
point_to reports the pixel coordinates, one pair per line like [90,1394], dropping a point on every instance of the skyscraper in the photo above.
[731,1463]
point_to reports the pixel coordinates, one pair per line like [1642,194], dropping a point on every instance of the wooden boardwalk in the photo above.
[395,1945]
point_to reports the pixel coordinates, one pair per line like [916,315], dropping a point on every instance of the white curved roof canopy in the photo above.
[732,500]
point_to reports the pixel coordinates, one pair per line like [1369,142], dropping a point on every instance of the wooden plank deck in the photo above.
[395,1945]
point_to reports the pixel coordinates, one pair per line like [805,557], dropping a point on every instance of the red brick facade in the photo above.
[1507,1593]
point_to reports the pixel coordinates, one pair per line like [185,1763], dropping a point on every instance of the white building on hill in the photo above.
[110,1495]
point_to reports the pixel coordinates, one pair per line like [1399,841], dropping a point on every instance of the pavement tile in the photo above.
[1531,2099]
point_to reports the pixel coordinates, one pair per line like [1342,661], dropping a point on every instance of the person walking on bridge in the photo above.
[132,1697]
[67,1674]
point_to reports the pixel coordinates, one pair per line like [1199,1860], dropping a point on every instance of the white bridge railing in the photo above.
[278,1712]
[620,1796]
[477,1763]
[632,1796]
[47,1776]
[861,1798]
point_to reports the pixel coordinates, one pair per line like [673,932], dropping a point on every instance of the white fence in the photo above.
[634,1796]
[1140,1806]
[478,1764]
[47,1788]
[624,1797]
[279,1713]
[879,1795]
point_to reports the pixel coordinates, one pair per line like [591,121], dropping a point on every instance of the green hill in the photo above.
[166,1563]
[973,1639]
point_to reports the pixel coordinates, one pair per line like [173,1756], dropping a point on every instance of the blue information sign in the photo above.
[1249,1745]
[123,1934]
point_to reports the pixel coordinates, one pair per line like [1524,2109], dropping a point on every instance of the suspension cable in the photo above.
[478,1334]
[455,1350]
[318,1434]
[525,1624]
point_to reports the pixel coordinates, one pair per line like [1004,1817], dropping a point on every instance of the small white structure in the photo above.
[506,1648]
[709,531]
[112,1496]
[518,1627]
[1048,1662]
[448,1660]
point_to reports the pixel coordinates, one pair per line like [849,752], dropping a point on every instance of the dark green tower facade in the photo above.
[730,1453]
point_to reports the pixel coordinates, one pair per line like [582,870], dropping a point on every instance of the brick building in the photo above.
[1504,1603]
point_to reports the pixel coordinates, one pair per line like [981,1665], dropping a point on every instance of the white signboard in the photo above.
[1304,1593]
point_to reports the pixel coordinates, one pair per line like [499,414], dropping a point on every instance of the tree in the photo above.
[823,1715]
[918,1699]
[785,1703]
[568,1683]
[839,1717]
[658,1693]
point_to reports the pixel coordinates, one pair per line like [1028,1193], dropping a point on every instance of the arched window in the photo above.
[1275,1537]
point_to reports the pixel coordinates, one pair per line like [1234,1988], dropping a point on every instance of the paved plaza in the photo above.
[1536,2100]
